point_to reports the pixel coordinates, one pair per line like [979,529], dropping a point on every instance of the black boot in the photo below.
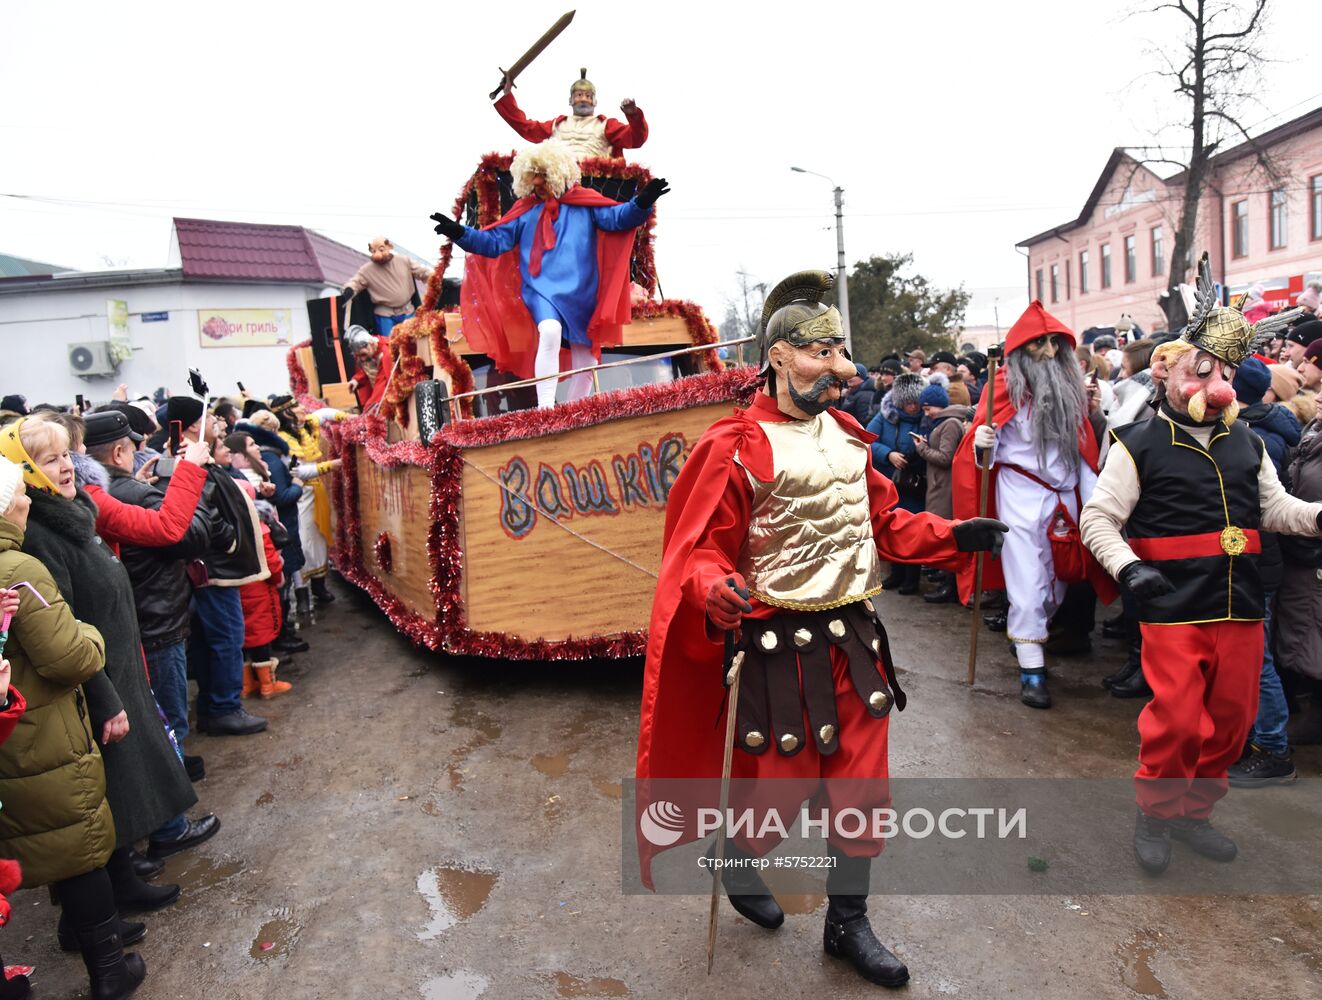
[895,578]
[114,975]
[1133,686]
[320,593]
[1033,688]
[145,868]
[129,932]
[747,893]
[945,592]
[1204,838]
[132,894]
[288,641]
[1152,843]
[1132,665]
[1115,628]
[303,601]
[848,934]
[912,580]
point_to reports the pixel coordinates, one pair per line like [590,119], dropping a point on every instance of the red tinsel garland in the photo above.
[701,330]
[448,630]
[298,378]
[382,552]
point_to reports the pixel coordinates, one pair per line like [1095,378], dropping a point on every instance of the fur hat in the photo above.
[10,476]
[908,388]
[1286,382]
[934,395]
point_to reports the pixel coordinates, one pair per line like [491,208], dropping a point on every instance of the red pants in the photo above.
[1204,681]
[858,770]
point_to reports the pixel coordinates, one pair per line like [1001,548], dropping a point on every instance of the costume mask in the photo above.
[1199,384]
[1043,348]
[381,250]
[810,379]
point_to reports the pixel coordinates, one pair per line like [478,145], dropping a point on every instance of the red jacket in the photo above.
[621,135]
[118,523]
[261,600]
[372,390]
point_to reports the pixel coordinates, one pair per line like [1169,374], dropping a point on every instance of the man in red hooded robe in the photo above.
[775,529]
[1041,451]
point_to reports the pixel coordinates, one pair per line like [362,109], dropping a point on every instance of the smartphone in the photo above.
[197,383]
[241,388]
[82,405]
[176,435]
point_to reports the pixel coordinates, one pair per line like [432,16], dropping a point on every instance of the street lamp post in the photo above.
[842,275]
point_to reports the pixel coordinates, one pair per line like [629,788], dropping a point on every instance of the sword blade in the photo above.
[537,48]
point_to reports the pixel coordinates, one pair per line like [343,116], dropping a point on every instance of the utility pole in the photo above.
[842,272]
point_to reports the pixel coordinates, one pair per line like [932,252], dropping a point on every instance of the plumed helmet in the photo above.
[583,83]
[794,311]
[358,337]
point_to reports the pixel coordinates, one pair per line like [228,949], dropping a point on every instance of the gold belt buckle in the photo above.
[1234,541]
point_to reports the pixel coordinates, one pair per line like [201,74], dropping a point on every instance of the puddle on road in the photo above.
[552,765]
[800,904]
[459,985]
[464,712]
[265,799]
[1137,954]
[276,938]
[203,873]
[571,986]
[608,788]
[453,893]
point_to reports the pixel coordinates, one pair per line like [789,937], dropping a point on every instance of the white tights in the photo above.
[547,362]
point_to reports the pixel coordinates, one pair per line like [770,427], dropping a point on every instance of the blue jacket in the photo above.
[892,427]
[1278,428]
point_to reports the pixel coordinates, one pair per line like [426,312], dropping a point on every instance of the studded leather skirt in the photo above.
[786,668]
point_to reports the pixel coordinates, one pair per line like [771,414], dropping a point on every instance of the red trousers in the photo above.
[858,773]
[1204,681]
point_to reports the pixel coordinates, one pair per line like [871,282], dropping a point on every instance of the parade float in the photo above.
[481,528]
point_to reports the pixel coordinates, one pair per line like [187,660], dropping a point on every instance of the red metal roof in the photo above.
[250,251]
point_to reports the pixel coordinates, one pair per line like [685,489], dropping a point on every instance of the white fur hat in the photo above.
[10,476]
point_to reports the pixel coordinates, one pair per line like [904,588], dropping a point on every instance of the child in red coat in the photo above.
[262,619]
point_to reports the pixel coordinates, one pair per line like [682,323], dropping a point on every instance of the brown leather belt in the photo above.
[787,669]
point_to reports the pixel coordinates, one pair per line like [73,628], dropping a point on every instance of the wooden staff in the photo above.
[984,484]
[733,665]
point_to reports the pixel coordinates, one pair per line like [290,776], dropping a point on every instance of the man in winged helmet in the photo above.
[1191,489]
[775,531]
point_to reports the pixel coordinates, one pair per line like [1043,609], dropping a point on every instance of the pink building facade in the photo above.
[1114,258]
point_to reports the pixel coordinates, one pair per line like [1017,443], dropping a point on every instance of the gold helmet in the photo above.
[1222,331]
[794,312]
[583,83]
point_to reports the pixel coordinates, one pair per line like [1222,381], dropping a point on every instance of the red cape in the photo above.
[496,321]
[681,735]
[964,494]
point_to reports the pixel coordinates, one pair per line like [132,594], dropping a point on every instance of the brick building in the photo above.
[1113,259]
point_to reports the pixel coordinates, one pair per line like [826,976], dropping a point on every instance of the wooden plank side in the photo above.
[529,578]
[397,501]
[664,331]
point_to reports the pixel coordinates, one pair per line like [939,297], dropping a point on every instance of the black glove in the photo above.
[446,226]
[346,293]
[980,534]
[655,188]
[1145,582]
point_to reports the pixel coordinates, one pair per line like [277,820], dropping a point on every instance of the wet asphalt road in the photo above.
[420,827]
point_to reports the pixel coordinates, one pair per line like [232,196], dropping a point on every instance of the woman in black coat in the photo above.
[146,784]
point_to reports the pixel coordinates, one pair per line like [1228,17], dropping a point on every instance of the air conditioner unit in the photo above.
[91,359]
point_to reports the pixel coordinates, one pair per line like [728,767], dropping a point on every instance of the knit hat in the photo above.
[1251,381]
[907,389]
[10,476]
[187,410]
[1313,353]
[1309,299]
[15,403]
[934,395]
[1286,382]
[1305,333]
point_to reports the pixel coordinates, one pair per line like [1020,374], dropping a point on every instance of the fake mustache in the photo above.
[818,388]
[1198,408]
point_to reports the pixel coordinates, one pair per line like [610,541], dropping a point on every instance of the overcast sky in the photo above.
[955,128]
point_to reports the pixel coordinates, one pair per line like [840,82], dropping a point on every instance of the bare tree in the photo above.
[743,313]
[1215,72]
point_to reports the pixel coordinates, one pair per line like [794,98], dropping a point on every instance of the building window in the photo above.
[1158,253]
[1131,259]
[1039,284]
[1083,272]
[1055,282]
[1106,265]
[1276,212]
[1239,229]
[1315,203]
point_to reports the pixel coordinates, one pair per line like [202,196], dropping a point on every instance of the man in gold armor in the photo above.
[775,530]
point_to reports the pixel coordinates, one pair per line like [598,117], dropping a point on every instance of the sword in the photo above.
[522,63]
[984,481]
[734,663]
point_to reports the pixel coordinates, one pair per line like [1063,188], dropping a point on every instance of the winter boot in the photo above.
[746,891]
[912,580]
[1204,838]
[1152,843]
[1133,686]
[288,641]
[132,894]
[249,681]
[129,933]
[1259,768]
[320,593]
[303,601]
[114,975]
[269,687]
[1132,665]
[847,933]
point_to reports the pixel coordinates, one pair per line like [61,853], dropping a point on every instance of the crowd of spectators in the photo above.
[915,406]
[142,544]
